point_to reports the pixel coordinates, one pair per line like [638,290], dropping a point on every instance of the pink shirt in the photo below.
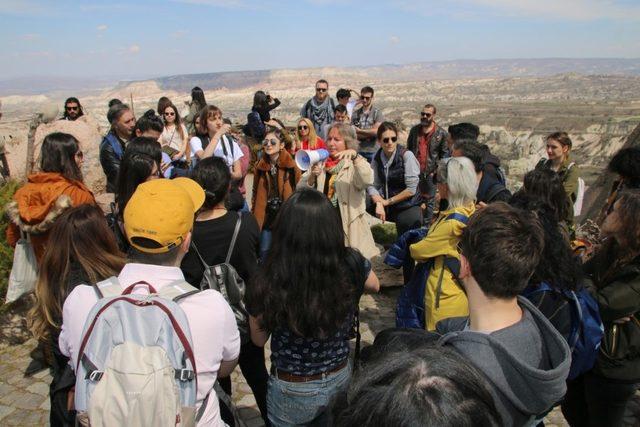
[213,327]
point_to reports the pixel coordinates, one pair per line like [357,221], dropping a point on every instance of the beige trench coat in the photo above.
[351,184]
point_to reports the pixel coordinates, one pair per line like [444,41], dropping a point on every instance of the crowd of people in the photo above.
[147,309]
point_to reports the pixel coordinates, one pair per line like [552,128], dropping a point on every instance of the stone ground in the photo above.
[24,399]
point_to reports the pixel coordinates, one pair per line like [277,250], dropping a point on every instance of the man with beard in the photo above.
[367,119]
[72,109]
[428,142]
[319,109]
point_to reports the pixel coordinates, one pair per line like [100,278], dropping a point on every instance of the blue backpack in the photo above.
[410,303]
[586,326]
[255,127]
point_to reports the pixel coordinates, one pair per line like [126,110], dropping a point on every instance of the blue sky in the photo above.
[134,39]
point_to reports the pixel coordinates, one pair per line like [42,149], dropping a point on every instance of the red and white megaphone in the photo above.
[307,158]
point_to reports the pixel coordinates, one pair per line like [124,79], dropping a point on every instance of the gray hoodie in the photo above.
[526,363]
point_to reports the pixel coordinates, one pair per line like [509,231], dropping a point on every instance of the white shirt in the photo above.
[233,150]
[172,137]
[212,323]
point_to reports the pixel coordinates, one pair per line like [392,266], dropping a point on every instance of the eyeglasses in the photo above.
[271,142]
[80,155]
[366,98]
[76,108]
[392,139]
[426,114]
[170,114]
[303,127]
[321,89]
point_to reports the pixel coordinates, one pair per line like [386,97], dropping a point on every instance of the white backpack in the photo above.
[136,365]
[577,205]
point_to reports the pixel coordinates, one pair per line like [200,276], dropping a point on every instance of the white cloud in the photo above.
[394,39]
[134,48]
[573,10]
[101,27]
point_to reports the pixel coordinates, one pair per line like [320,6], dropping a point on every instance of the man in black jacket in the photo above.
[428,142]
[112,146]
[491,185]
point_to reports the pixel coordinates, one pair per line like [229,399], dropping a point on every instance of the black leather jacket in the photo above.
[111,153]
[618,295]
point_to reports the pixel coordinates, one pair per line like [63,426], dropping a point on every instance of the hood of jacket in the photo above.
[40,201]
[529,389]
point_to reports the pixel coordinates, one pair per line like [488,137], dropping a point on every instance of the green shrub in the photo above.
[6,252]
[384,234]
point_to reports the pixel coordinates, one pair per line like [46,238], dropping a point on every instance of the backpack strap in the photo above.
[577,323]
[234,238]
[220,394]
[178,290]
[458,217]
[108,288]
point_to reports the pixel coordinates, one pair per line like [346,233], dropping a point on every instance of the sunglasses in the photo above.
[303,127]
[321,89]
[392,139]
[426,114]
[72,108]
[366,98]
[271,142]
[170,114]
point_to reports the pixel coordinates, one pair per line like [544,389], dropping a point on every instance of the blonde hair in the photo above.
[313,136]
[460,177]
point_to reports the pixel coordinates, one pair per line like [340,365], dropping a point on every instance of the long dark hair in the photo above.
[81,237]
[628,213]
[546,185]
[197,96]
[558,266]
[310,295]
[58,154]
[260,100]
[137,164]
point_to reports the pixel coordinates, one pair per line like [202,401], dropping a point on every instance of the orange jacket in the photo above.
[39,202]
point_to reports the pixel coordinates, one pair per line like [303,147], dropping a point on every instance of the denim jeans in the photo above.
[290,404]
[265,244]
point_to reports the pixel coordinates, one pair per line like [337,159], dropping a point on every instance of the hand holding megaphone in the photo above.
[307,158]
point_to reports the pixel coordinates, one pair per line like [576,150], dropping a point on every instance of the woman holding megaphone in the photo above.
[344,177]
[274,180]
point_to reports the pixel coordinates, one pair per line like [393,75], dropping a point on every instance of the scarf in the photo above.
[320,113]
[333,171]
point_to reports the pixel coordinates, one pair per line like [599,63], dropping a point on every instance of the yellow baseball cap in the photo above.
[161,213]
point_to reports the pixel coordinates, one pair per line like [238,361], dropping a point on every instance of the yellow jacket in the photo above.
[442,241]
